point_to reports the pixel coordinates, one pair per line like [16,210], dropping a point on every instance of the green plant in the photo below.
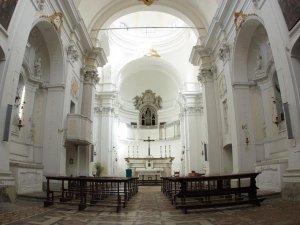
[99,169]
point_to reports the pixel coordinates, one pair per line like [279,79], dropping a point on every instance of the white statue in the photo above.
[38,68]
[258,63]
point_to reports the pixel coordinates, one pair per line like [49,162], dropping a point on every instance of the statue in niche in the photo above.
[38,68]
[259,63]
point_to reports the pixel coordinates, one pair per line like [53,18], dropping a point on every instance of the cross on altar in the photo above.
[148,140]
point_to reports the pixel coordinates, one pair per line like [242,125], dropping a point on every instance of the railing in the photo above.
[84,191]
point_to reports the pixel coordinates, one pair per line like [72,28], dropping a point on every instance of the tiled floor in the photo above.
[149,207]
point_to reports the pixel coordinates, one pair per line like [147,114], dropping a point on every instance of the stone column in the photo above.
[105,140]
[211,115]
[90,79]
[200,56]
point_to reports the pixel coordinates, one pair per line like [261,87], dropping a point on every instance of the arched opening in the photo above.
[38,112]
[260,123]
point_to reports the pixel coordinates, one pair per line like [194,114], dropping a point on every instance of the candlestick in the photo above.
[165,151]
[169,150]
[132,151]
[160,152]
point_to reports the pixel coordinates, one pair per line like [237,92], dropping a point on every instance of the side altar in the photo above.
[150,168]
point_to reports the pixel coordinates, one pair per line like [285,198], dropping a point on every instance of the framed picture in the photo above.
[291,12]
[7,8]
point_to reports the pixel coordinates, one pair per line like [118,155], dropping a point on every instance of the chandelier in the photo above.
[148,2]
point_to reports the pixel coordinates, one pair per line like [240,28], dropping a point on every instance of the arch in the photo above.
[115,10]
[55,49]
[241,46]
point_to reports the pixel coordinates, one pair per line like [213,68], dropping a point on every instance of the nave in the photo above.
[148,207]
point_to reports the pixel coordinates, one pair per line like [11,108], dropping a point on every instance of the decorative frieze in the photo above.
[104,109]
[222,87]
[72,52]
[90,74]
[239,19]
[148,98]
[224,52]
[40,4]
[206,74]
[74,91]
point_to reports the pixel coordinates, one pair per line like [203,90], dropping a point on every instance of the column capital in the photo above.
[206,74]
[90,74]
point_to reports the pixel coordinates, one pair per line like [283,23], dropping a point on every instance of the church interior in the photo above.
[149,89]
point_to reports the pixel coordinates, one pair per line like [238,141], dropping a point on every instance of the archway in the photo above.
[260,124]
[39,102]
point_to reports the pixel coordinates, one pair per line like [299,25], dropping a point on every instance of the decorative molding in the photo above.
[148,2]
[255,2]
[39,4]
[224,52]
[74,88]
[56,20]
[72,52]
[222,87]
[90,74]
[239,19]
[147,98]
[104,109]
[206,74]
[193,109]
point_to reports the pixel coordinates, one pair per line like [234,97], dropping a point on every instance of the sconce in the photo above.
[247,140]
[276,121]
[245,129]
[20,124]
[17,99]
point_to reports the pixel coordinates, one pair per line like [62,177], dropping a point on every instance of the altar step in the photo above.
[149,182]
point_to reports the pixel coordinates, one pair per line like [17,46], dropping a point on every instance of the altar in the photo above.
[150,168]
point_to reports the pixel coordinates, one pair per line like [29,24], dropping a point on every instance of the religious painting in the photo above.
[7,8]
[291,11]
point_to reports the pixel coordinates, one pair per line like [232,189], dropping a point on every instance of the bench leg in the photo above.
[81,207]
[47,203]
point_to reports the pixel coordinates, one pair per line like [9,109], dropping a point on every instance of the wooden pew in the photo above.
[211,191]
[92,191]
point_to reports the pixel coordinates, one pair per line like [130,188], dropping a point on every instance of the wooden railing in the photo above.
[94,191]
[211,191]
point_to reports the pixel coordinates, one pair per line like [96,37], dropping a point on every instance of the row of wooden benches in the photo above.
[211,191]
[92,191]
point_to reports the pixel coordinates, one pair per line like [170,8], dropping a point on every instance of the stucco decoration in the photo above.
[224,52]
[147,98]
[72,52]
[74,88]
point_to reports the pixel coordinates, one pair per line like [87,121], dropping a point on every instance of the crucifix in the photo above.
[148,140]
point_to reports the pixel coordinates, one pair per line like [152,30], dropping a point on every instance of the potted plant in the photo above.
[99,169]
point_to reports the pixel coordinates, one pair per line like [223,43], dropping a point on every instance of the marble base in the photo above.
[270,177]
[29,177]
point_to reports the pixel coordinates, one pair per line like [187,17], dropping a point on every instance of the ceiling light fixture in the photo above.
[148,2]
